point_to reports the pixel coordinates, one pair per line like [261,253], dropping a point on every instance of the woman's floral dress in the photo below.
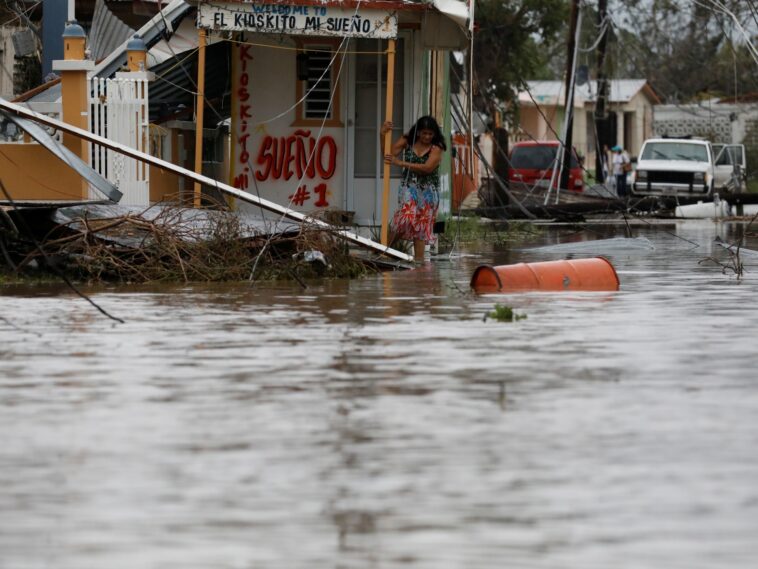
[418,200]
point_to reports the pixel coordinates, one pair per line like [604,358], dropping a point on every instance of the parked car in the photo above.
[532,163]
[730,172]
[674,166]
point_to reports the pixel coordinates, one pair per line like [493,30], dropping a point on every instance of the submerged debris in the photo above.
[172,243]
[600,246]
[733,248]
[704,210]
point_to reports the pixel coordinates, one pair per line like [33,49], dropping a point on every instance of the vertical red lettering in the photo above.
[244,154]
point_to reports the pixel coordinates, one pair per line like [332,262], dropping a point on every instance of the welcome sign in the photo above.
[297,20]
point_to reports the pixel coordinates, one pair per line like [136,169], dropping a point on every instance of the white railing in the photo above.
[119,112]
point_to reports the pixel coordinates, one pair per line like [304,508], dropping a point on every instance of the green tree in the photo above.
[514,42]
[686,49]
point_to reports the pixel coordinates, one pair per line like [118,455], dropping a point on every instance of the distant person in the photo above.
[418,153]
[604,164]
[621,165]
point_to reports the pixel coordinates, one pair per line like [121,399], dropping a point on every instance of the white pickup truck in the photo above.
[674,167]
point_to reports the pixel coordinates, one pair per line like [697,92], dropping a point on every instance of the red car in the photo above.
[531,164]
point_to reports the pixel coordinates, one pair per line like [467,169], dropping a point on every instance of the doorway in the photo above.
[366,114]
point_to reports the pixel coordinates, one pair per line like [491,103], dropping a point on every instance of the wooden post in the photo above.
[471,108]
[388,141]
[199,115]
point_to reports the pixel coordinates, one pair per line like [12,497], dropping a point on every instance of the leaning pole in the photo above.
[203,180]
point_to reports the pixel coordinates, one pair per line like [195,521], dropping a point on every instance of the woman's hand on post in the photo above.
[391,160]
[386,127]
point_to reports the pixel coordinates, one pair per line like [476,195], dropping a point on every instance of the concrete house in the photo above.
[293,95]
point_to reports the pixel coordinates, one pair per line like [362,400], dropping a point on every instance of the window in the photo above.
[728,155]
[316,70]
[537,157]
[675,151]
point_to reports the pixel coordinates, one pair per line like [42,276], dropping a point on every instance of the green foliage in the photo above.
[514,43]
[503,313]
[9,277]
[473,229]
[668,42]
[672,42]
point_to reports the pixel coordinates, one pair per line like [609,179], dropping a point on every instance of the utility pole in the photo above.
[601,109]
[569,101]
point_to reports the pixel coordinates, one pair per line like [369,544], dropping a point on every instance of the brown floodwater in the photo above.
[382,422]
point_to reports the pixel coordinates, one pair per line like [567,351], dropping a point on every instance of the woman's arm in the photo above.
[435,156]
[397,146]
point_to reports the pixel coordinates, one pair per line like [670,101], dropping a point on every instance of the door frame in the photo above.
[411,99]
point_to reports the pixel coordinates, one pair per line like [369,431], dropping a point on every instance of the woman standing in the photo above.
[419,153]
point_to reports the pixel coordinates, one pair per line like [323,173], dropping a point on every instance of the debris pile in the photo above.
[171,243]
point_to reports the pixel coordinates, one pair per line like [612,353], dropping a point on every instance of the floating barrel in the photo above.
[596,273]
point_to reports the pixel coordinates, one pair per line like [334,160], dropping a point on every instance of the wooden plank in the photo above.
[388,141]
[199,115]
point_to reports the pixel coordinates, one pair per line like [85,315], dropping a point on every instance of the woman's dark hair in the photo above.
[427,123]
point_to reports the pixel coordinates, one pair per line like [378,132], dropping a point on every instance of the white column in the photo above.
[71,10]
[620,128]
[541,125]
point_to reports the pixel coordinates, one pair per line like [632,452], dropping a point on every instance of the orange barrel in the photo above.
[596,273]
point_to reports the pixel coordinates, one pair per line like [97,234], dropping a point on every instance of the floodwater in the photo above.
[382,423]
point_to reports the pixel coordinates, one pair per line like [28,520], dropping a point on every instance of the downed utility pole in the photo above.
[204,180]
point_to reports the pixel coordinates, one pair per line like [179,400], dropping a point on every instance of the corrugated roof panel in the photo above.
[108,32]
[553,92]
[173,86]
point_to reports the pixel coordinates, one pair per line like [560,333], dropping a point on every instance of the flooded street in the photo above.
[382,423]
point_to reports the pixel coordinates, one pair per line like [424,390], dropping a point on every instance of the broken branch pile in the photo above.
[175,244]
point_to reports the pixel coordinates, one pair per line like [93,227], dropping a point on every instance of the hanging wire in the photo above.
[603,29]
[53,266]
[290,48]
[345,42]
[719,7]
